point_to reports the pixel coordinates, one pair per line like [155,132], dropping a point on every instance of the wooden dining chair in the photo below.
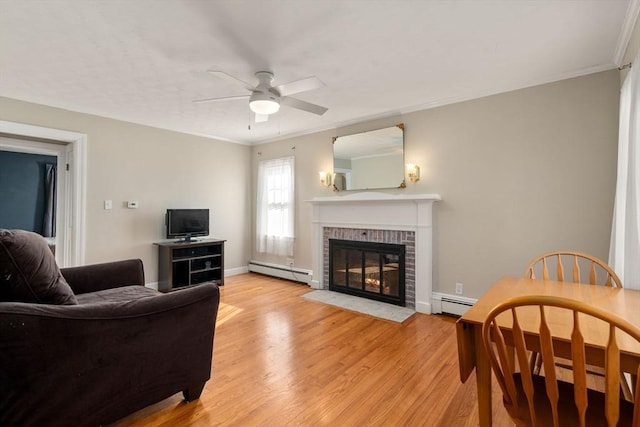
[533,400]
[563,261]
[571,264]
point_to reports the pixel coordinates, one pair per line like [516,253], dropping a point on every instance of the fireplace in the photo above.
[379,217]
[368,269]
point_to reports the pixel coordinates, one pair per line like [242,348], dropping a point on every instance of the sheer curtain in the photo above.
[274,220]
[624,252]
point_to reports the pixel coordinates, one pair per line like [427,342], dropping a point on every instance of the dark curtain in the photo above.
[49,222]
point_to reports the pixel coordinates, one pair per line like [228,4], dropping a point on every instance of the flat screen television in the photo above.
[184,224]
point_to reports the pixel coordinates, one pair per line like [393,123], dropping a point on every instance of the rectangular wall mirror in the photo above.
[369,160]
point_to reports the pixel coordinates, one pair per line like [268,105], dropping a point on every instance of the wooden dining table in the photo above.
[471,355]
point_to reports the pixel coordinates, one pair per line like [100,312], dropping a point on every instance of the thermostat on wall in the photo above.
[132,205]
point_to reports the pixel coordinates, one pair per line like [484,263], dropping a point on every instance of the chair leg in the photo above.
[539,364]
[535,363]
[626,390]
[193,393]
[532,360]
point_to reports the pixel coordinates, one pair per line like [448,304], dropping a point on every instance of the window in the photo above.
[274,219]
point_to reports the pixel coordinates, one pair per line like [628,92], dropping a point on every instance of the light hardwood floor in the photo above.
[282,360]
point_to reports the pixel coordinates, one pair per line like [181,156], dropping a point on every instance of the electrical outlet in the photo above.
[290,262]
[459,288]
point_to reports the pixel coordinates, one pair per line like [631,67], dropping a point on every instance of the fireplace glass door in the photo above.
[367,269]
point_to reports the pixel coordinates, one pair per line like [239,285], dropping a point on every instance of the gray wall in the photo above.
[22,190]
[520,173]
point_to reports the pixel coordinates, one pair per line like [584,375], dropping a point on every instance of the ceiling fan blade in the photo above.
[298,86]
[224,98]
[228,76]
[302,105]
[261,118]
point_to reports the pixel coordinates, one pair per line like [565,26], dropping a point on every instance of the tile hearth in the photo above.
[382,310]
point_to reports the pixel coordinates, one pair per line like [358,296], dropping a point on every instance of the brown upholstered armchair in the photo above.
[120,348]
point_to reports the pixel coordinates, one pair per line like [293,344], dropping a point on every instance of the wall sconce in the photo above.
[325,179]
[413,172]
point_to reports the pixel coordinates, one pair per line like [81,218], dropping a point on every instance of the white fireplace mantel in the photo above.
[382,211]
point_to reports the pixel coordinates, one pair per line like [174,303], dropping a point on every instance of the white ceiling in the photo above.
[145,61]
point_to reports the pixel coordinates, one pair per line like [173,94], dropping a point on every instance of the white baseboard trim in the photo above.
[450,304]
[235,271]
[281,271]
[424,307]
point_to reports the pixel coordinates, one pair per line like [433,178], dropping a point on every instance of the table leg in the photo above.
[483,379]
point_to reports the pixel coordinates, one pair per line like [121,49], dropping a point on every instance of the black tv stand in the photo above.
[185,263]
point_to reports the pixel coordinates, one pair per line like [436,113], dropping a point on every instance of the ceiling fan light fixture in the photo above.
[264,106]
[263,103]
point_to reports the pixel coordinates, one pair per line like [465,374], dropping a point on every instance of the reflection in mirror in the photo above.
[369,160]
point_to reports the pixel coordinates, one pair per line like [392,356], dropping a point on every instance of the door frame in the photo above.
[70,149]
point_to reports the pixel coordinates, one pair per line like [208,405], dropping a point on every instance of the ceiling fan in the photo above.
[266,99]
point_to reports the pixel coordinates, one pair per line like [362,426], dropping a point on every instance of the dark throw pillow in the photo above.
[28,270]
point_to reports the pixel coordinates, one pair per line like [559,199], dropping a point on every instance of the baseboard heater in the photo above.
[281,271]
[451,304]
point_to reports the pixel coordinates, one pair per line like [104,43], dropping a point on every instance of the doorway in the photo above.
[69,149]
